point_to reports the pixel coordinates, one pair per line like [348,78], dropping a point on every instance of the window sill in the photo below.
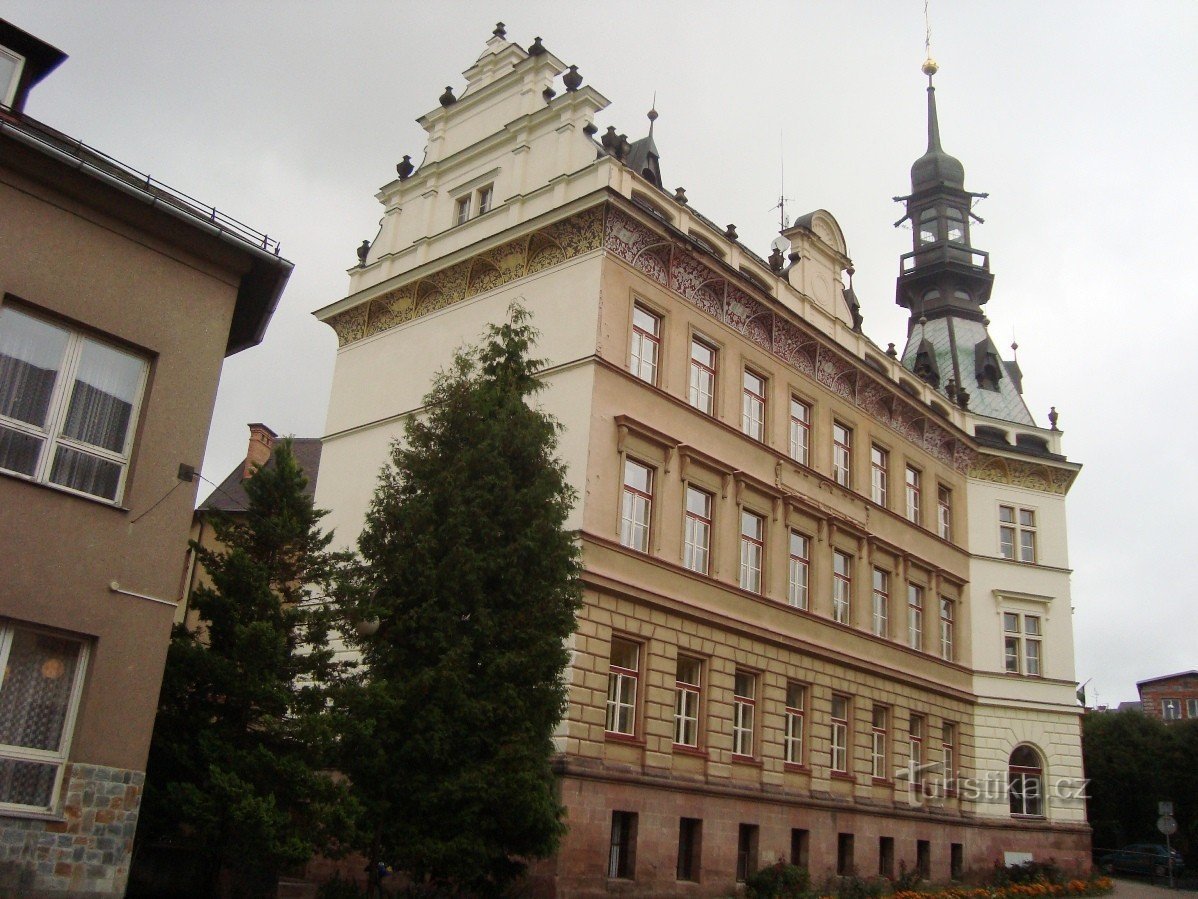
[632,739]
[683,749]
[882,782]
[795,768]
[746,760]
[843,775]
[58,488]
[31,814]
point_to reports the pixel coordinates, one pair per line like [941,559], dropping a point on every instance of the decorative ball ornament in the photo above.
[929,67]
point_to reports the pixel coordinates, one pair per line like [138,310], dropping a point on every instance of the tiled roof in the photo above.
[230,496]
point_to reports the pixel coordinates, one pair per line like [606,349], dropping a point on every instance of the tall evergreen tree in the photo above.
[476,583]
[243,725]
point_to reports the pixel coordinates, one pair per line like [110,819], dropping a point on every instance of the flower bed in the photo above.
[1099,886]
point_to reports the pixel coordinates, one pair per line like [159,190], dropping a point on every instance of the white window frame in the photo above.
[1023,643]
[800,430]
[486,198]
[1017,541]
[1192,708]
[916,728]
[636,508]
[50,433]
[744,706]
[839,742]
[879,474]
[752,551]
[915,616]
[1171,709]
[842,587]
[461,209]
[948,755]
[944,512]
[702,381]
[696,546]
[881,603]
[60,755]
[8,92]
[619,676]
[796,705]
[688,696]
[947,628]
[914,492]
[798,569]
[753,404]
[879,741]
[842,454]
[644,351]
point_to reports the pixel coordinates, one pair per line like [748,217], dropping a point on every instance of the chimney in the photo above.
[262,444]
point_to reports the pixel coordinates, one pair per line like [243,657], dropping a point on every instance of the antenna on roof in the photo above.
[927,31]
[783,218]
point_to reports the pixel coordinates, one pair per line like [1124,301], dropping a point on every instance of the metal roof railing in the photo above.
[57,143]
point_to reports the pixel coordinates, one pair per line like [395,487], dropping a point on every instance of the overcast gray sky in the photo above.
[1079,118]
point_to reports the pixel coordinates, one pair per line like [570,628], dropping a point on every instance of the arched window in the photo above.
[956,225]
[1025,783]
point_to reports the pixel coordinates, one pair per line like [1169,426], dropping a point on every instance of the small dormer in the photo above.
[24,61]
[822,256]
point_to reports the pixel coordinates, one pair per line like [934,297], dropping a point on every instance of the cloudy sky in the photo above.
[1079,118]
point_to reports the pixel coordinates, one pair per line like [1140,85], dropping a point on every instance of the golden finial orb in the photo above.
[929,67]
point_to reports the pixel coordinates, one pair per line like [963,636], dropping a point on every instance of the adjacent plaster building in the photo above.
[803,553]
[119,299]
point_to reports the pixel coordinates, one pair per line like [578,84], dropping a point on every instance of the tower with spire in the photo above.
[944,282]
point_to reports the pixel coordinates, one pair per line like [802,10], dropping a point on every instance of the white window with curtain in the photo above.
[68,406]
[41,675]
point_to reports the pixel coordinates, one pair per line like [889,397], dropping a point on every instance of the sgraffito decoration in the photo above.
[525,255]
[670,262]
[1020,473]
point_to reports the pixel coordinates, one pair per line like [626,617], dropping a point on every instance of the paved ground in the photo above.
[1129,888]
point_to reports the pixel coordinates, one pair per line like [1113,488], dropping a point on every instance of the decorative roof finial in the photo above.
[447,98]
[1052,418]
[537,48]
[652,114]
[572,79]
[363,252]
[500,30]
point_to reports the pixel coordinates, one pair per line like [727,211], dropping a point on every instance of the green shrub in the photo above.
[1027,873]
[778,881]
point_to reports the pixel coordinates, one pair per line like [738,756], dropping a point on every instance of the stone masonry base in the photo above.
[86,852]
[580,868]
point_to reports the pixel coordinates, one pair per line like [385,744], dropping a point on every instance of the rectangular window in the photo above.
[752,550]
[637,506]
[956,861]
[948,755]
[916,742]
[696,547]
[842,585]
[1022,638]
[1171,709]
[800,431]
[844,854]
[1192,708]
[800,841]
[881,604]
[944,512]
[462,210]
[752,420]
[621,856]
[1017,534]
[947,629]
[798,570]
[11,65]
[886,857]
[744,704]
[915,616]
[702,376]
[914,490]
[624,671]
[688,686]
[842,454]
[840,734]
[746,852]
[68,406]
[690,843]
[486,196]
[646,343]
[41,675]
[879,465]
[879,741]
[796,703]
[923,858]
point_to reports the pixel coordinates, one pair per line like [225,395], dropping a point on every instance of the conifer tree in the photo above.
[475,583]
[243,728]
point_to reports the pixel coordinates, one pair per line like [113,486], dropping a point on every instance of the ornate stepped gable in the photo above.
[674,265]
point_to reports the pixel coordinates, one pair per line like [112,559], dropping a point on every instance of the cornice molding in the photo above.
[1030,475]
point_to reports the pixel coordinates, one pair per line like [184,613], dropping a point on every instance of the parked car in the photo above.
[1143,858]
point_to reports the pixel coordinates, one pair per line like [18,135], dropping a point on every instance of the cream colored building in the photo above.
[779,654]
